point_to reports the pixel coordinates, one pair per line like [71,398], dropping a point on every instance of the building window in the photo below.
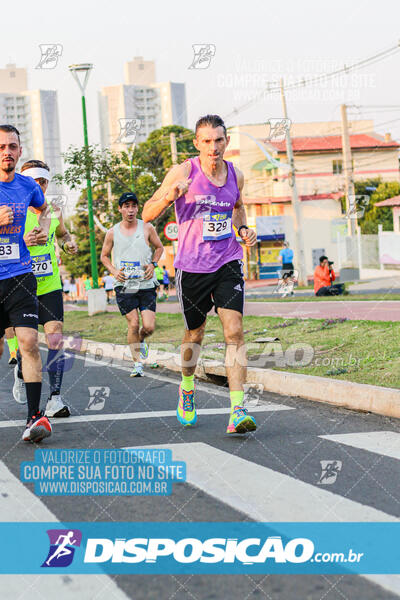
[337,167]
[141,67]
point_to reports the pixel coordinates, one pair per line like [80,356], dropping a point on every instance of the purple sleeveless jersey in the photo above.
[206,239]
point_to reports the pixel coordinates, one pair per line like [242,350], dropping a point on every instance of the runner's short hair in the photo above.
[322,258]
[35,164]
[10,129]
[213,120]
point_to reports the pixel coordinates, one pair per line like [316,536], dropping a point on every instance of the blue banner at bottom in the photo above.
[192,548]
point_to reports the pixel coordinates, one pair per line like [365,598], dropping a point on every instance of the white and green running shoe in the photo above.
[144,350]
[137,370]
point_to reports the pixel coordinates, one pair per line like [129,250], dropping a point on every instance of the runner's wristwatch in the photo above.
[242,227]
[155,265]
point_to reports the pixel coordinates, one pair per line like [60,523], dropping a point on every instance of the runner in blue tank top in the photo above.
[18,300]
[207,191]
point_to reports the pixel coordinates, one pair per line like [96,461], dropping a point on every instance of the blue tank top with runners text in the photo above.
[18,194]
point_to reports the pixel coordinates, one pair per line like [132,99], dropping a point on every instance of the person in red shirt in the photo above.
[324,276]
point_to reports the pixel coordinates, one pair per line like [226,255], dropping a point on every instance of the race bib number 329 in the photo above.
[217,226]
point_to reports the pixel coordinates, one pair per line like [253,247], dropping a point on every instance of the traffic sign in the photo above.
[171,230]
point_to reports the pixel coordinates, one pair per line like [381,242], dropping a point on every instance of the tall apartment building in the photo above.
[131,111]
[13,79]
[139,71]
[35,114]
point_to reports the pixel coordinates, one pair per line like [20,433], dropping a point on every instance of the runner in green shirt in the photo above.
[159,273]
[49,290]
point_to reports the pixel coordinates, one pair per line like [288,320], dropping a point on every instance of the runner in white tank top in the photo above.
[133,268]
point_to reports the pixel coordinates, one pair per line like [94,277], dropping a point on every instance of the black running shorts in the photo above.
[19,305]
[3,324]
[199,292]
[142,300]
[51,307]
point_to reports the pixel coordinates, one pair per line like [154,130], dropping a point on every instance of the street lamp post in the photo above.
[75,70]
[131,150]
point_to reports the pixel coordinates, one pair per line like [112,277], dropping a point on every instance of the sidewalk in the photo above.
[368,310]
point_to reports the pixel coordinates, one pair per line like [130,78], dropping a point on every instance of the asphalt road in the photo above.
[270,475]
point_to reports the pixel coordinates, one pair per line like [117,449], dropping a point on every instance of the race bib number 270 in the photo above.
[42,266]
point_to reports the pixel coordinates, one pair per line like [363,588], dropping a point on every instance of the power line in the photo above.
[274,88]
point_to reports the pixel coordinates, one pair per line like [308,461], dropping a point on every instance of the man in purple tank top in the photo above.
[206,191]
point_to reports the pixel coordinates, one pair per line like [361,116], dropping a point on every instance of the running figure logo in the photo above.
[203,53]
[330,469]
[56,200]
[98,396]
[358,203]
[278,129]
[50,55]
[252,394]
[67,347]
[128,129]
[62,547]
[286,283]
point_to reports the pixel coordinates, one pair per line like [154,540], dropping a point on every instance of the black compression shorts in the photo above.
[18,300]
[51,307]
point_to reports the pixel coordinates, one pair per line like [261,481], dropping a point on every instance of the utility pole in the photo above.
[298,217]
[174,153]
[348,175]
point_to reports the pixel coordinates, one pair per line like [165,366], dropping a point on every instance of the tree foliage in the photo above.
[140,169]
[373,215]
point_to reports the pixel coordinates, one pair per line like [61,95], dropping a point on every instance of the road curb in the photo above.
[355,396]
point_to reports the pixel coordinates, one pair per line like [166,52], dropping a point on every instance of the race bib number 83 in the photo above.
[9,250]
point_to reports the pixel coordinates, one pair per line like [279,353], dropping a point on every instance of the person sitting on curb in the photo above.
[324,276]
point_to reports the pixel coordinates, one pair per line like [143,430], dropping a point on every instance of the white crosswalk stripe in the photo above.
[269,496]
[18,503]
[386,443]
[151,414]
[262,493]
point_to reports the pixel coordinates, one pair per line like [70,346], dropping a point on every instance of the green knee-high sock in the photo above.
[187,383]
[12,344]
[236,399]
